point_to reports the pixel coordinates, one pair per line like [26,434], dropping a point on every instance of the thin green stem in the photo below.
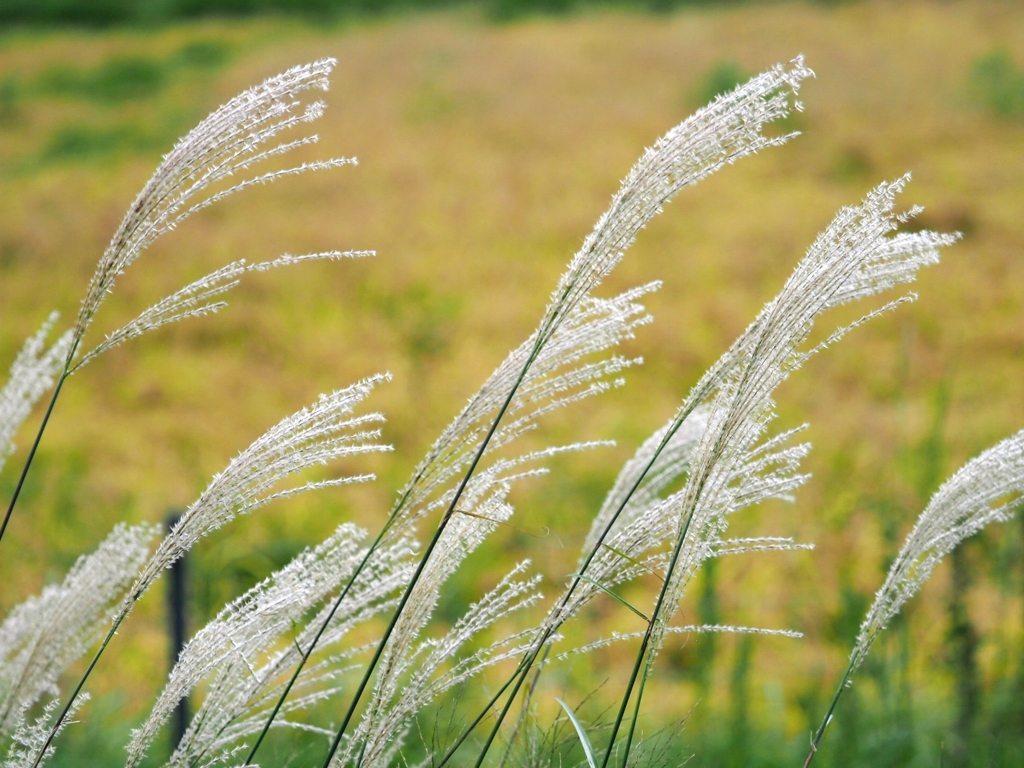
[640,658]
[663,593]
[78,688]
[523,712]
[820,733]
[32,453]
[636,717]
[522,668]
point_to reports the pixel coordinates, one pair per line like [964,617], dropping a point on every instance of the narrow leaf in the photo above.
[589,750]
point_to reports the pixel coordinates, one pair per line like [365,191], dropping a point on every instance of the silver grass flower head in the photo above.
[660,461]
[201,297]
[728,128]
[253,625]
[985,490]
[564,372]
[230,141]
[434,666]
[43,636]
[244,682]
[696,629]
[732,466]
[316,435]
[30,739]
[33,372]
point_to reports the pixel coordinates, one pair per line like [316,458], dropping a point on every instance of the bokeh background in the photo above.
[490,137]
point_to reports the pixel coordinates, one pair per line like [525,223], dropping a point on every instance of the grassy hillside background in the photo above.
[486,152]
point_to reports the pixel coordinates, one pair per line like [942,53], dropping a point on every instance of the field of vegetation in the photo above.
[486,151]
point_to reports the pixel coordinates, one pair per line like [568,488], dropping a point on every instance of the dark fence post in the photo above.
[177,626]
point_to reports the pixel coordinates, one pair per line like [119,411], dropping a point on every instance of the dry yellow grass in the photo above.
[486,153]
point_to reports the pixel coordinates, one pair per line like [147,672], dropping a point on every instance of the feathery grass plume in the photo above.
[728,128]
[410,682]
[985,490]
[733,467]
[557,376]
[43,636]
[660,461]
[323,432]
[32,373]
[695,629]
[244,689]
[230,141]
[242,652]
[32,739]
[315,435]
[197,298]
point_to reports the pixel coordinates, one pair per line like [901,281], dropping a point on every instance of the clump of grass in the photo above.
[347,626]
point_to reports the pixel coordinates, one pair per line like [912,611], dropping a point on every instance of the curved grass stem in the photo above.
[820,733]
[78,688]
[32,453]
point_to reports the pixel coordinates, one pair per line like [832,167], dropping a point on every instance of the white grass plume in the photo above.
[695,629]
[435,666]
[33,373]
[725,130]
[242,652]
[31,740]
[40,638]
[985,490]
[660,461]
[230,141]
[201,297]
[321,433]
[248,681]
[564,372]
[734,467]
[317,435]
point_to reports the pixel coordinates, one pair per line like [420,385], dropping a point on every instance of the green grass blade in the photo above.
[611,594]
[587,748]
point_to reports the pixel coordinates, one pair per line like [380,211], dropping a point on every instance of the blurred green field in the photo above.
[486,152]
